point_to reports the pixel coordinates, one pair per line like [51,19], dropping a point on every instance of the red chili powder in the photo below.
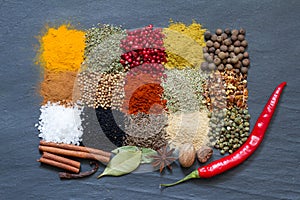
[143,94]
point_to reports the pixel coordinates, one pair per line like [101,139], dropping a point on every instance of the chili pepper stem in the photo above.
[193,174]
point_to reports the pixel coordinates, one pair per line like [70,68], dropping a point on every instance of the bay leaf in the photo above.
[125,148]
[146,155]
[122,163]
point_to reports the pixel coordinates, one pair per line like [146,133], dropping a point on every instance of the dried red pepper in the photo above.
[248,148]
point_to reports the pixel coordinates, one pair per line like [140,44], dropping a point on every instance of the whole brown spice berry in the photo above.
[219,31]
[244,70]
[246,62]
[244,43]
[187,155]
[242,31]
[204,154]
[214,37]
[209,43]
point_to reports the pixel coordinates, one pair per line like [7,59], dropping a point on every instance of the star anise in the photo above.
[163,158]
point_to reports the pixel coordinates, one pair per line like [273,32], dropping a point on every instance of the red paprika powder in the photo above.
[143,94]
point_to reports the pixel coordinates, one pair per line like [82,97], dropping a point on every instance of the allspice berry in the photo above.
[214,37]
[223,48]
[242,31]
[222,55]
[246,62]
[209,43]
[204,154]
[207,35]
[237,43]
[244,70]
[216,45]
[241,37]
[227,31]
[217,61]
[234,32]
[219,31]
[244,43]
[246,54]
[187,155]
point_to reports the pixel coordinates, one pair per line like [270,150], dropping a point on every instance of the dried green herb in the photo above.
[123,163]
[183,90]
[102,51]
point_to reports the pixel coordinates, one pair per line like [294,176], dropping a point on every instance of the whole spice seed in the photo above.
[146,130]
[54,53]
[112,124]
[238,157]
[187,155]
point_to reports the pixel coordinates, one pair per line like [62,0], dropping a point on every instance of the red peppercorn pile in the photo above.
[144,46]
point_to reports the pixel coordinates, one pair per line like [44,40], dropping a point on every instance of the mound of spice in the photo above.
[112,124]
[102,51]
[192,127]
[60,124]
[61,49]
[58,87]
[146,130]
[143,94]
[184,45]
[183,90]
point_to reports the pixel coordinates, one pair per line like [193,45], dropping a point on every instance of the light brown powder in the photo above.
[188,128]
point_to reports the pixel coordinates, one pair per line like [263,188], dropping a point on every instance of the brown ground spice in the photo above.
[58,86]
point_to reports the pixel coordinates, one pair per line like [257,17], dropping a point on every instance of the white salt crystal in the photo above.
[60,124]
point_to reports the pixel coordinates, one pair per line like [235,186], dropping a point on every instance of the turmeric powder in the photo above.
[62,49]
[184,45]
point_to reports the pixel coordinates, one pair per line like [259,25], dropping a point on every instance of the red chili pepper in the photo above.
[219,166]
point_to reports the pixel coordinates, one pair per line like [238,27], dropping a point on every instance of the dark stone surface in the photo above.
[273,35]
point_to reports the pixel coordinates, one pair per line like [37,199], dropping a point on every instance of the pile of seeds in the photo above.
[226,52]
[87,85]
[110,91]
[112,124]
[234,132]
[146,130]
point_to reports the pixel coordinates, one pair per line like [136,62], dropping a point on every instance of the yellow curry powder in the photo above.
[184,45]
[62,49]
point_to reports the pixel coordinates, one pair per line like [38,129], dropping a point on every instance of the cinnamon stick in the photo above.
[59,165]
[75,148]
[77,154]
[60,159]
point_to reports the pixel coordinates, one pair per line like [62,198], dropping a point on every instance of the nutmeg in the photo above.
[187,155]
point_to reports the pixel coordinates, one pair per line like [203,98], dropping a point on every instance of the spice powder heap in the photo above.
[62,49]
[188,128]
[184,45]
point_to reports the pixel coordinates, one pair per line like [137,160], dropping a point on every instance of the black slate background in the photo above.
[273,35]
